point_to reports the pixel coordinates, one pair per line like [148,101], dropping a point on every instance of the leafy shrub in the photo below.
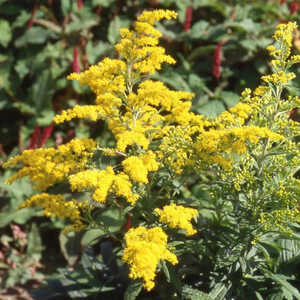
[206,205]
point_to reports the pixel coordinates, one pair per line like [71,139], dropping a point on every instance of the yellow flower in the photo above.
[48,166]
[57,206]
[144,249]
[136,169]
[177,216]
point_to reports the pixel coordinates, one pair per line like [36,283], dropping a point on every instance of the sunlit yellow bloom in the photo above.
[144,249]
[57,206]
[48,166]
[177,216]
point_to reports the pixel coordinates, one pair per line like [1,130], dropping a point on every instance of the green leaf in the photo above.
[219,291]
[133,291]
[35,35]
[198,29]
[22,19]
[189,293]
[229,98]
[114,27]
[165,269]
[6,34]
[104,3]
[211,109]
[112,219]
[65,6]
[70,246]
[20,216]
[41,93]
[91,236]
[35,246]
[94,52]
[285,285]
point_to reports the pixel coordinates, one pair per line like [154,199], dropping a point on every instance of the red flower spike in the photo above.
[294,114]
[282,2]
[75,63]
[31,20]
[79,4]
[216,68]
[294,6]
[127,226]
[34,139]
[46,134]
[188,19]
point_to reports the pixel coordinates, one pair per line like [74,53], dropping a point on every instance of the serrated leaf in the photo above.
[6,33]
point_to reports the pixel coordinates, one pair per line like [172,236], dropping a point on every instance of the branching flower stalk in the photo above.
[249,149]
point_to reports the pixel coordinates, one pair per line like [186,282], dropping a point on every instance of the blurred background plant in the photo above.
[219,47]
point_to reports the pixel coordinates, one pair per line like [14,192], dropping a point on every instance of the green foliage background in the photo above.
[34,62]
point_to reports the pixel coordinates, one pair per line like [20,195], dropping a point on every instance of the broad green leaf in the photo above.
[41,92]
[66,6]
[35,246]
[95,51]
[112,219]
[91,236]
[5,33]
[229,98]
[22,19]
[198,29]
[35,35]
[70,246]
[211,109]
[114,27]
[104,3]
[20,216]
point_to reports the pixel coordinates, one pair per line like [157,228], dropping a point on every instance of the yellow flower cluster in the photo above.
[178,216]
[94,112]
[138,167]
[213,145]
[235,116]
[57,206]
[280,77]
[144,249]
[48,166]
[102,183]
[139,47]
[284,33]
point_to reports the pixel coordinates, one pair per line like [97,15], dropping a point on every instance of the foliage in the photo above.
[234,171]
[19,257]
